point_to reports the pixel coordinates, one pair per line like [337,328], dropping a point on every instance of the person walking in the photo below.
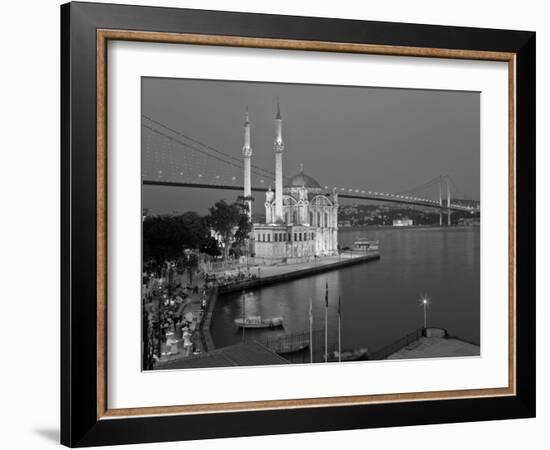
[187,344]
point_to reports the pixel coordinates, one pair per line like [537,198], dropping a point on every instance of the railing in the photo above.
[386,351]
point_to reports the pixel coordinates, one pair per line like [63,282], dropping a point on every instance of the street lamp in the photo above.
[424,302]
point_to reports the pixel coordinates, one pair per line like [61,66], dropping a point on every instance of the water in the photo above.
[379,299]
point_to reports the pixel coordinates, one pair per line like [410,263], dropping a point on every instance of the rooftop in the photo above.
[302,180]
[436,347]
[244,354]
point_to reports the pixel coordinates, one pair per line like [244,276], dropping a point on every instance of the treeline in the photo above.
[166,237]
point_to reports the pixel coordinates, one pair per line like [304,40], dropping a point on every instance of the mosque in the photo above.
[301,218]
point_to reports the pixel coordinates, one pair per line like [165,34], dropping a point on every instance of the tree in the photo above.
[244,226]
[242,234]
[194,228]
[210,247]
[166,237]
[230,222]
[188,261]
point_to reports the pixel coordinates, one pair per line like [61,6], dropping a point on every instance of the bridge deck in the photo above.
[342,194]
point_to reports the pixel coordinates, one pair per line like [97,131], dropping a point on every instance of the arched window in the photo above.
[326,219]
[311,218]
[319,219]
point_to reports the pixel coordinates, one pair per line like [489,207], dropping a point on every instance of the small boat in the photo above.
[283,346]
[258,322]
[359,354]
[366,245]
[285,349]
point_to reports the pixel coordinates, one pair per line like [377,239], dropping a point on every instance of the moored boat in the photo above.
[359,354]
[366,245]
[258,322]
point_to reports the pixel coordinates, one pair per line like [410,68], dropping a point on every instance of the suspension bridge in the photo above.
[174,158]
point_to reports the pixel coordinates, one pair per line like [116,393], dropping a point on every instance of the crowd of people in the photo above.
[232,277]
[173,307]
[174,304]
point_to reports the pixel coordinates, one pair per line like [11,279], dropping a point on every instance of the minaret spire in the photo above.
[247,154]
[278,146]
[246,146]
[279,126]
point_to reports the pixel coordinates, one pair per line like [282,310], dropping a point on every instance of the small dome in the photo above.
[302,180]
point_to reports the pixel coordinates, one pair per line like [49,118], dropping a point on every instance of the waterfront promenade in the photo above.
[266,275]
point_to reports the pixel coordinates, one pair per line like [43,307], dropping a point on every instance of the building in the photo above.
[301,216]
[405,222]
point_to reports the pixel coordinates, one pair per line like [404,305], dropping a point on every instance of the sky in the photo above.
[376,139]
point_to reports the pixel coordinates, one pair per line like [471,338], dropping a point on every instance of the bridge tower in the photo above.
[247,154]
[440,201]
[448,202]
[278,146]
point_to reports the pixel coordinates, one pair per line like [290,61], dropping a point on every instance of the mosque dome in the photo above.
[302,180]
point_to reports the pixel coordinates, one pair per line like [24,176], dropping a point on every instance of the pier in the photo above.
[286,272]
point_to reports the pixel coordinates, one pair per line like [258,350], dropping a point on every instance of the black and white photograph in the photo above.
[298,224]
[275,225]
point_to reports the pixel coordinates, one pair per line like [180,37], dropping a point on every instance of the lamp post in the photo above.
[424,301]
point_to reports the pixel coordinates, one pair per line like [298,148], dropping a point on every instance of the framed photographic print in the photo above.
[276,224]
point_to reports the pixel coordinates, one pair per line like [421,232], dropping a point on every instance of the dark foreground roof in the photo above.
[436,347]
[245,354]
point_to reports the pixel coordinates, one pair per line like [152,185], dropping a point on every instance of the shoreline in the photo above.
[205,325]
[292,273]
[408,227]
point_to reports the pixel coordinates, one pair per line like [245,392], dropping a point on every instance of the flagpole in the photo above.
[339,330]
[244,317]
[326,323]
[310,329]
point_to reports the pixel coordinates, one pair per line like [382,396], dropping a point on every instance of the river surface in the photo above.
[380,299]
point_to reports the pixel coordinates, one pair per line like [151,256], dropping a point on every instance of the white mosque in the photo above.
[301,217]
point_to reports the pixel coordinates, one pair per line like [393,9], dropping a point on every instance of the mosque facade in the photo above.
[301,218]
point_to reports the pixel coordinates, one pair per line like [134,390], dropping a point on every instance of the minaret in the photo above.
[247,153]
[278,147]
